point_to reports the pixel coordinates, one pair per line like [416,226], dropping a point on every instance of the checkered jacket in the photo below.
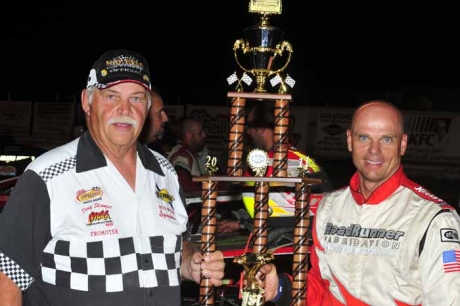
[74,233]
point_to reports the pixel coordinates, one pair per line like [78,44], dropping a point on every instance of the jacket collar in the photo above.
[382,192]
[90,157]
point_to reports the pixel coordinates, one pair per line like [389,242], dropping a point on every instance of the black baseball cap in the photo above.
[119,66]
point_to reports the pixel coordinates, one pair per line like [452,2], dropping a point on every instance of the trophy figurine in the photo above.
[262,45]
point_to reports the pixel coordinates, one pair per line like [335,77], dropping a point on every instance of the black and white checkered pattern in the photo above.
[11,269]
[58,168]
[164,162]
[113,265]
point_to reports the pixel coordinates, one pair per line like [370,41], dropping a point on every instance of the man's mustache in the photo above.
[123,120]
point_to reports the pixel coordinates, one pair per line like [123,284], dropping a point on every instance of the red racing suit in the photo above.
[185,162]
[398,247]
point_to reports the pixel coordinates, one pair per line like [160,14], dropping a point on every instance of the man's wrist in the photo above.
[281,289]
[283,296]
[187,258]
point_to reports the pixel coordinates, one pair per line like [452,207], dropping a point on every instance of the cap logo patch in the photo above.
[125,63]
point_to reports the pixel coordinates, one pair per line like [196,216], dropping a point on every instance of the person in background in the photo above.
[166,143]
[260,128]
[384,239]
[101,220]
[202,157]
[154,127]
[184,156]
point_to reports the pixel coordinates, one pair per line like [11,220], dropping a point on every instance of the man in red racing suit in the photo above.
[383,240]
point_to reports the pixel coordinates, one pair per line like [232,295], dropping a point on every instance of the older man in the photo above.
[101,220]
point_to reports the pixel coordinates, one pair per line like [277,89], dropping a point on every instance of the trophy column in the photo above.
[280,137]
[236,136]
[208,232]
[300,256]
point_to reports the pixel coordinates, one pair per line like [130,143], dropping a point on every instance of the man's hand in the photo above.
[270,283]
[193,264]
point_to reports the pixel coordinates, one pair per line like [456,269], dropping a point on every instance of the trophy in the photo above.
[262,47]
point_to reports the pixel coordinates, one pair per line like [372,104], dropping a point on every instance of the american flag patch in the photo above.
[451,261]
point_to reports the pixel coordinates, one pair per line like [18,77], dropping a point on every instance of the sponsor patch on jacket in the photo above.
[165,196]
[87,196]
[449,235]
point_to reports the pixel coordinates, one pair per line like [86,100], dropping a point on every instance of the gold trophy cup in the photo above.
[262,45]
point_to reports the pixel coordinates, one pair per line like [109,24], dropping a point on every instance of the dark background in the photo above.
[344,51]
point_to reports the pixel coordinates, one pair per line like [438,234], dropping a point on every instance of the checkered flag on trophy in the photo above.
[275,81]
[290,81]
[232,79]
[247,79]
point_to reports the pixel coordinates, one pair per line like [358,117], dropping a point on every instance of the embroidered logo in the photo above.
[165,196]
[449,235]
[100,217]
[88,196]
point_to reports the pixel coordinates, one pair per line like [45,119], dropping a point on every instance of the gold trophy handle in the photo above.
[262,73]
[240,44]
[284,46]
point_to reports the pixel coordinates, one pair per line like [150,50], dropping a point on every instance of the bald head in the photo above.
[192,133]
[376,107]
[376,141]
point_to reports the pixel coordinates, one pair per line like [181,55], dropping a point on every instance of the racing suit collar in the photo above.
[381,193]
[90,157]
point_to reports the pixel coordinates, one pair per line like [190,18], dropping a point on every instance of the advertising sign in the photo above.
[54,120]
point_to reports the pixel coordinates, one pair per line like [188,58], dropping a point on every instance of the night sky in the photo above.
[341,51]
